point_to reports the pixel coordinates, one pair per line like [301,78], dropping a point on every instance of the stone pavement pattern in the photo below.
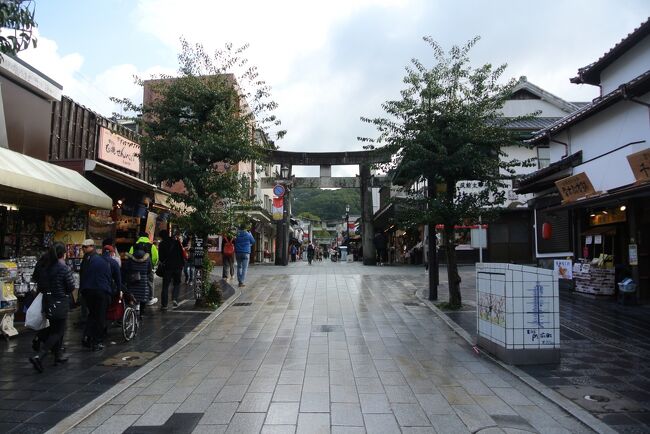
[33,402]
[336,348]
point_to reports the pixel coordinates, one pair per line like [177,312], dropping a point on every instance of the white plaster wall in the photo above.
[633,63]
[623,123]
[520,153]
[520,107]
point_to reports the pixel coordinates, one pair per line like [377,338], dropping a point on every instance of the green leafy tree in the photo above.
[309,216]
[16,17]
[327,204]
[446,128]
[199,126]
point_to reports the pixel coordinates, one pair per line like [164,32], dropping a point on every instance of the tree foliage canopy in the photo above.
[198,126]
[446,128]
[16,16]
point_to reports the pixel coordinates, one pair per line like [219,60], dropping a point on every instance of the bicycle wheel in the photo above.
[129,324]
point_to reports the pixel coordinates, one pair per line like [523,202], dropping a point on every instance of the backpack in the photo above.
[228,248]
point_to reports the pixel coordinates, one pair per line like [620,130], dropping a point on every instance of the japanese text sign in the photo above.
[640,164]
[575,187]
[115,149]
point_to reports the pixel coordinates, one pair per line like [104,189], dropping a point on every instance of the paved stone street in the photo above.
[33,402]
[604,347]
[338,348]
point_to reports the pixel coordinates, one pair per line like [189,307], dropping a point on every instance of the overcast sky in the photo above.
[328,62]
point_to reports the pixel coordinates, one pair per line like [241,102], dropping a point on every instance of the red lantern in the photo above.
[547,231]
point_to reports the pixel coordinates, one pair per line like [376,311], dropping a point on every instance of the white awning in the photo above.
[31,182]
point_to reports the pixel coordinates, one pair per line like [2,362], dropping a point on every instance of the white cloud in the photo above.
[93,92]
[331,62]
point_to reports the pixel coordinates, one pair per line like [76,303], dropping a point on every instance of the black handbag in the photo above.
[160,271]
[56,308]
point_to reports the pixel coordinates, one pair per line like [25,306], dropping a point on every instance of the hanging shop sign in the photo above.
[640,164]
[150,225]
[575,187]
[278,208]
[118,150]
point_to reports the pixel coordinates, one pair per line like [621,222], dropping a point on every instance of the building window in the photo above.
[543,156]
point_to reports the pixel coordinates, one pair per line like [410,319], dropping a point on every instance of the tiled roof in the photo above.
[636,86]
[527,183]
[533,124]
[590,74]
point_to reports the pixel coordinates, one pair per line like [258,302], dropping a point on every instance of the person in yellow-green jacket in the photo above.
[145,244]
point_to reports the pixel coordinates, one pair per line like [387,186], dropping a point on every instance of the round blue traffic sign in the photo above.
[279,190]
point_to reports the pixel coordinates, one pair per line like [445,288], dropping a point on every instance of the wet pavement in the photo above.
[604,356]
[33,402]
[336,348]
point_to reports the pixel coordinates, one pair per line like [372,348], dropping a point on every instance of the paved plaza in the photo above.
[338,348]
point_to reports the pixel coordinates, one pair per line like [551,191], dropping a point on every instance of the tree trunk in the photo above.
[452,267]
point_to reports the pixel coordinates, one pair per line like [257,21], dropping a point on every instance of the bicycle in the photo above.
[131,318]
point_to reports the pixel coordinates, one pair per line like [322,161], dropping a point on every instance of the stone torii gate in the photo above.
[364,182]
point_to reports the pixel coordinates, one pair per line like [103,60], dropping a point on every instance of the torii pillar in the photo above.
[367,226]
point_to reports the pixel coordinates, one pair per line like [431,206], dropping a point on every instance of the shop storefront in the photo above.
[39,203]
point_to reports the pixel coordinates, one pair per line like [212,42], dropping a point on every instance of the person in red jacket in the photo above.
[228,254]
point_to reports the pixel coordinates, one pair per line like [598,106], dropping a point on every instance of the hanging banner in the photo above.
[278,208]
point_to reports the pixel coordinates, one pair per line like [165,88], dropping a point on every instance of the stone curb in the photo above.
[86,411]
[567,405]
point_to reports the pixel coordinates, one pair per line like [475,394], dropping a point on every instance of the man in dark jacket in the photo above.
[116,275]
[171,258]
[96,284]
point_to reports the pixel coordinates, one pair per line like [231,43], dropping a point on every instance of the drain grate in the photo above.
[411,303]
[242,304]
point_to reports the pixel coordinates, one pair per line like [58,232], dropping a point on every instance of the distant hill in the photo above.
[327,204]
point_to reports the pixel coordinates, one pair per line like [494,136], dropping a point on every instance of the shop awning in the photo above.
[31,182]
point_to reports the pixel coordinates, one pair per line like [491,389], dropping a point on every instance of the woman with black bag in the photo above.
[56,304]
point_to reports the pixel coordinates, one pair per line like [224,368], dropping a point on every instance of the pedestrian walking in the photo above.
[146,245]
[40,277]
[310,253]
[380,243]
[172,260]
[294,252]
[188,269]
[56,304]
[96,285]
[243,244]
[108,253]
[136,274]
[228,256]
